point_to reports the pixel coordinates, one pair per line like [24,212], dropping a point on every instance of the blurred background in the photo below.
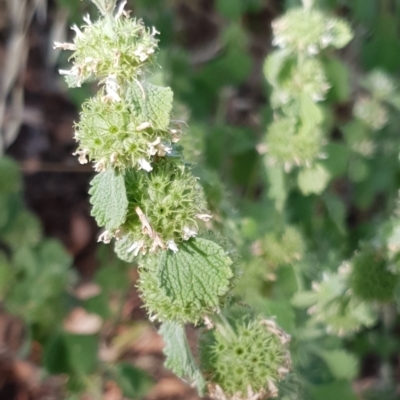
[71,321]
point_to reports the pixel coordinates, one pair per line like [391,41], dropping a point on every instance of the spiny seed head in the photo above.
[109,133]
[170,199]
[120,47]
[253,356]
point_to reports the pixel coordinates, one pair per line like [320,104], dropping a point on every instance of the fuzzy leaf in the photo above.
[338,76]
[342,364]
[151,104]
[10,176]
[179,357]
[198,274]
[277,190]
[313,180]
[311,115]
[108,196]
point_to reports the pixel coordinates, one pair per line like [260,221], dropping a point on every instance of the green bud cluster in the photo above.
[370,278]
[310,31]
[371,112]
[332,303]
[113,134]
[282,249]
[171,200]
[113,46]
[247,360]
[288,145]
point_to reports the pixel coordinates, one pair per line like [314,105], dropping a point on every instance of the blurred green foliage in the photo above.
[319,241]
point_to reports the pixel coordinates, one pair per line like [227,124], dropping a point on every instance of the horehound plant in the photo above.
[148,201]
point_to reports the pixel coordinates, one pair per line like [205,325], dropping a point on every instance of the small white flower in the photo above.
[157,147]
[154,31]
[141,53]
[87,19]
[172,246]
[153,146]
[82,156]
[143,126]
[105,237]
[73,71]
[204,217]
[326,40]
[113,157]
[312,49]
[112,88]
[136,247]
[163,150]
[64,46]
[144,164]
[188,233]
[77,30]
[100,166]
[120,10]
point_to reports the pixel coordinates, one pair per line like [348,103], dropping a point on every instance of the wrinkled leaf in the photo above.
[197,275]
[151,103]
[108,196]
[179,357]
[342,364]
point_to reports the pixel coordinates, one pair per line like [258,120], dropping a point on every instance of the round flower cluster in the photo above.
[110,134]
[292,145]
[115,46]
[248,361]
[283,249]
[164,208]
[308,78]
[310,31]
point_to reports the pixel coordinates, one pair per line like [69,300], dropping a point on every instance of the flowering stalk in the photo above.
[147,199]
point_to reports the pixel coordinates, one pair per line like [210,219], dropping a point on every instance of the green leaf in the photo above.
[197,275]
[336,211]
[333,391]
[313,180]
[151,103]
[230,8]
[277,190]
[6,274]
[311,115]
[25,229]
[338,76]
[337,158]
[274,65]
[358,170]
[342,364]
[82,352]
[55,355]
[179,357]
[10,176]
[134,382]
[108,196]
[304,299]
[283,313]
